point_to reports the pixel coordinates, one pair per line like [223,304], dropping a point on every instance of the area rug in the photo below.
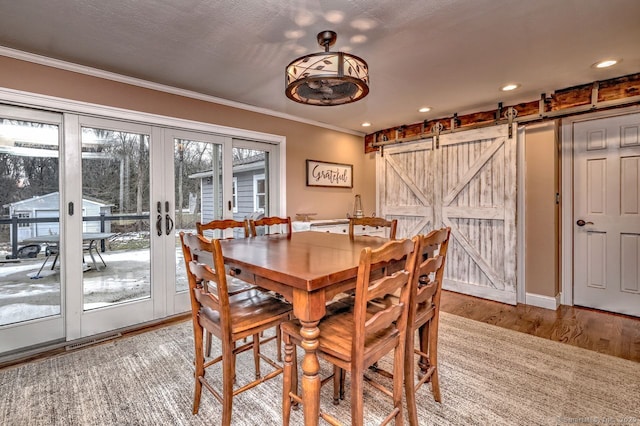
[488,375]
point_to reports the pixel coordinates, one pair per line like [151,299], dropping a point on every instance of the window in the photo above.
[23,216]
[234,195]
[259,193]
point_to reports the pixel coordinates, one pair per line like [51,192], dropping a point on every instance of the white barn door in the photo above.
[406,181]
[467,182]
[607,214]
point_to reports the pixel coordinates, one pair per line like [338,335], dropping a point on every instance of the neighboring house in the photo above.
[46,206]
[249,190]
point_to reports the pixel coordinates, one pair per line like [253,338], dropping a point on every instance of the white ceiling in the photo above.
[451,55]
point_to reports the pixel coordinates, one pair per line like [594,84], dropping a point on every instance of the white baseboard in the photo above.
[547,302]
[479,291]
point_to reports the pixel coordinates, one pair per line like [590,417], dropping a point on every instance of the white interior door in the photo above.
[607,214]
[466,182]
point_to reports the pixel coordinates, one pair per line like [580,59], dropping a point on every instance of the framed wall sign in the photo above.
[320,173]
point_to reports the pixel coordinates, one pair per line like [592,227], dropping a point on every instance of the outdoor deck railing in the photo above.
[14,221]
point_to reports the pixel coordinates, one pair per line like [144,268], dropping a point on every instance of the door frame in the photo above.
[51,328]
[18,98]
[566,206]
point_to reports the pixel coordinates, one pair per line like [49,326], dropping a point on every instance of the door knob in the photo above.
[581,222]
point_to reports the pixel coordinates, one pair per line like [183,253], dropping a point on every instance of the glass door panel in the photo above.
[116,222]
[110,250]
[198,192]
[255,180]
[31,288]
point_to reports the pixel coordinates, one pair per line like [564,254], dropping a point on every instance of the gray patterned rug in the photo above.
[488,375]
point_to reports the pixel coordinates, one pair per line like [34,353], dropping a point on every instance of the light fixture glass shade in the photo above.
[327,78]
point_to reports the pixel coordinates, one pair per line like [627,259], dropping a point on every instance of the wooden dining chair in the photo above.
[221,225]
[230,318]
[270,225]
[234,285]
[352,340]
[423,317]
[377,222]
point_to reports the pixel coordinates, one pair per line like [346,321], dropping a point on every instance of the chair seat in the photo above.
[250,310]
[234,286]
[334,342]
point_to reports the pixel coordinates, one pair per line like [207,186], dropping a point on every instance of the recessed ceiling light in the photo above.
[508,87]
[424,109]
[606,63]
[366,124]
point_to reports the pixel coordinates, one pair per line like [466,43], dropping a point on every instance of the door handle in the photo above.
[168,224]
[159,219]
[581,222]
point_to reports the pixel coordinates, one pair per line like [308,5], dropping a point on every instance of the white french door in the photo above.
[201,190]
[606,219]
[91,209]
[165,178]
[111,278]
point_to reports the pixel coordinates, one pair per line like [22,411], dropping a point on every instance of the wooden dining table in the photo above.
[308,269]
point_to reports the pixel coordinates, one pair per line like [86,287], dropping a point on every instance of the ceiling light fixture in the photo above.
[327,78]
[424,109]
[605,64]
[366,124]
[509,87]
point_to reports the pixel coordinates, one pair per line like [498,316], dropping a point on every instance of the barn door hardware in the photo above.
[510,114]
[541,105]
[455,121]
[436,129]
[594,94]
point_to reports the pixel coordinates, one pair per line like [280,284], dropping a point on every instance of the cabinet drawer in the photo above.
[334,229]
[372,231]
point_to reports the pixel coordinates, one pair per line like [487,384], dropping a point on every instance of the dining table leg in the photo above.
[309,308]
[310,373]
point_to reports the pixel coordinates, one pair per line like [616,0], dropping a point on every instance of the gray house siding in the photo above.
[245,194]
[244,174]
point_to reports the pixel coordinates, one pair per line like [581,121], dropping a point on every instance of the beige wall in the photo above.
[541,210]
[304,141]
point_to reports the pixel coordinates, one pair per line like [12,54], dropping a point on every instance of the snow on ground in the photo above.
[18,312]
[126,277]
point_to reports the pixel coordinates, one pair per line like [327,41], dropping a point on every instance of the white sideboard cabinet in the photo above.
[337,226]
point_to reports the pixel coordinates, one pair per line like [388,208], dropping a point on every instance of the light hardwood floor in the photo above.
[600,331]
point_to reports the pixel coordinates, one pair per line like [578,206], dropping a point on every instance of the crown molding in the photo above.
[107,75]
